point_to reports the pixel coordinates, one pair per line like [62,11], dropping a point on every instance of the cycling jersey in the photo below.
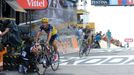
[87,32]
[50,28]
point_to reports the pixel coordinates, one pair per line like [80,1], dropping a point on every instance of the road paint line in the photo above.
[92,61]
[99,60]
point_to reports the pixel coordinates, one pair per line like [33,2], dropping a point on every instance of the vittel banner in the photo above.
[33,4]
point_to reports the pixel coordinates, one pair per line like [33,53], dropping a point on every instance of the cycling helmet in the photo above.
[44,20]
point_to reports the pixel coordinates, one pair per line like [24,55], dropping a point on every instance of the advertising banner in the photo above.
[99,2]
[112,2]
[128,39]
[124,2]
[130,2]
[33,4]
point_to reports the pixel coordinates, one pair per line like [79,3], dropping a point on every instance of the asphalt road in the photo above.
[118,61]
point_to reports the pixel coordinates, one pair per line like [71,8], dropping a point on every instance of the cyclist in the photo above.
[51,34]
[87,34]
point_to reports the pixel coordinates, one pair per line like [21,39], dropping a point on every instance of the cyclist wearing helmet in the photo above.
[87,34]
[51,33]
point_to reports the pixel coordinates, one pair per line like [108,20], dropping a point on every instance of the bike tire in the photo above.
[87,51]
[40,69]
[55,64]
[81,52]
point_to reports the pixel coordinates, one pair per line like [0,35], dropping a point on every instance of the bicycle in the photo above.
[84,48]
[46,54]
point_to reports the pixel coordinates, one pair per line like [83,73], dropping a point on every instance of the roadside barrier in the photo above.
[67,44]
[11,62]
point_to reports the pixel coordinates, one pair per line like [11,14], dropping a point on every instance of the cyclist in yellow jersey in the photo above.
[51,33]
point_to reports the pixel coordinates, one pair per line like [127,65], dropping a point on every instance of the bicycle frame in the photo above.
[48,52]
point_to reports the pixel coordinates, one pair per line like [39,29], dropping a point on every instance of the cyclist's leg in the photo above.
[89,41]
[55,46]
[55,54]
[53,42]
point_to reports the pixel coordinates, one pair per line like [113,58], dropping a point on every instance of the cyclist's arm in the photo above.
[37,36]
[48,37]
[50,29]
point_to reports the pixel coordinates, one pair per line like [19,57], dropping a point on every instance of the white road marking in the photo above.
[92,61]
[99,60]
[116,60]
[112,49]
[78,61]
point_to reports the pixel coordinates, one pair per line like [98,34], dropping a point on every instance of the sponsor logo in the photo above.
[33,4]
[99,2]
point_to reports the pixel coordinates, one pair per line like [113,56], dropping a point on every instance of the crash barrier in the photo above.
[67,44]
[1,57]
[103,44]
[113,41]
[10,62]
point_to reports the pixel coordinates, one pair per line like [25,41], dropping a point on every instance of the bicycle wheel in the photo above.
[55,63]
[81,51]
[40,65]
[40,69]
[87,51]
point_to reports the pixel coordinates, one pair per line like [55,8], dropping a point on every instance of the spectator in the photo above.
[10,33]
[79,34]
[108,35]
[33,30]
[100,33]
[127,45]
[97,40]
[4,28]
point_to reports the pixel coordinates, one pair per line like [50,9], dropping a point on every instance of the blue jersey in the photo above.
[50,29]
